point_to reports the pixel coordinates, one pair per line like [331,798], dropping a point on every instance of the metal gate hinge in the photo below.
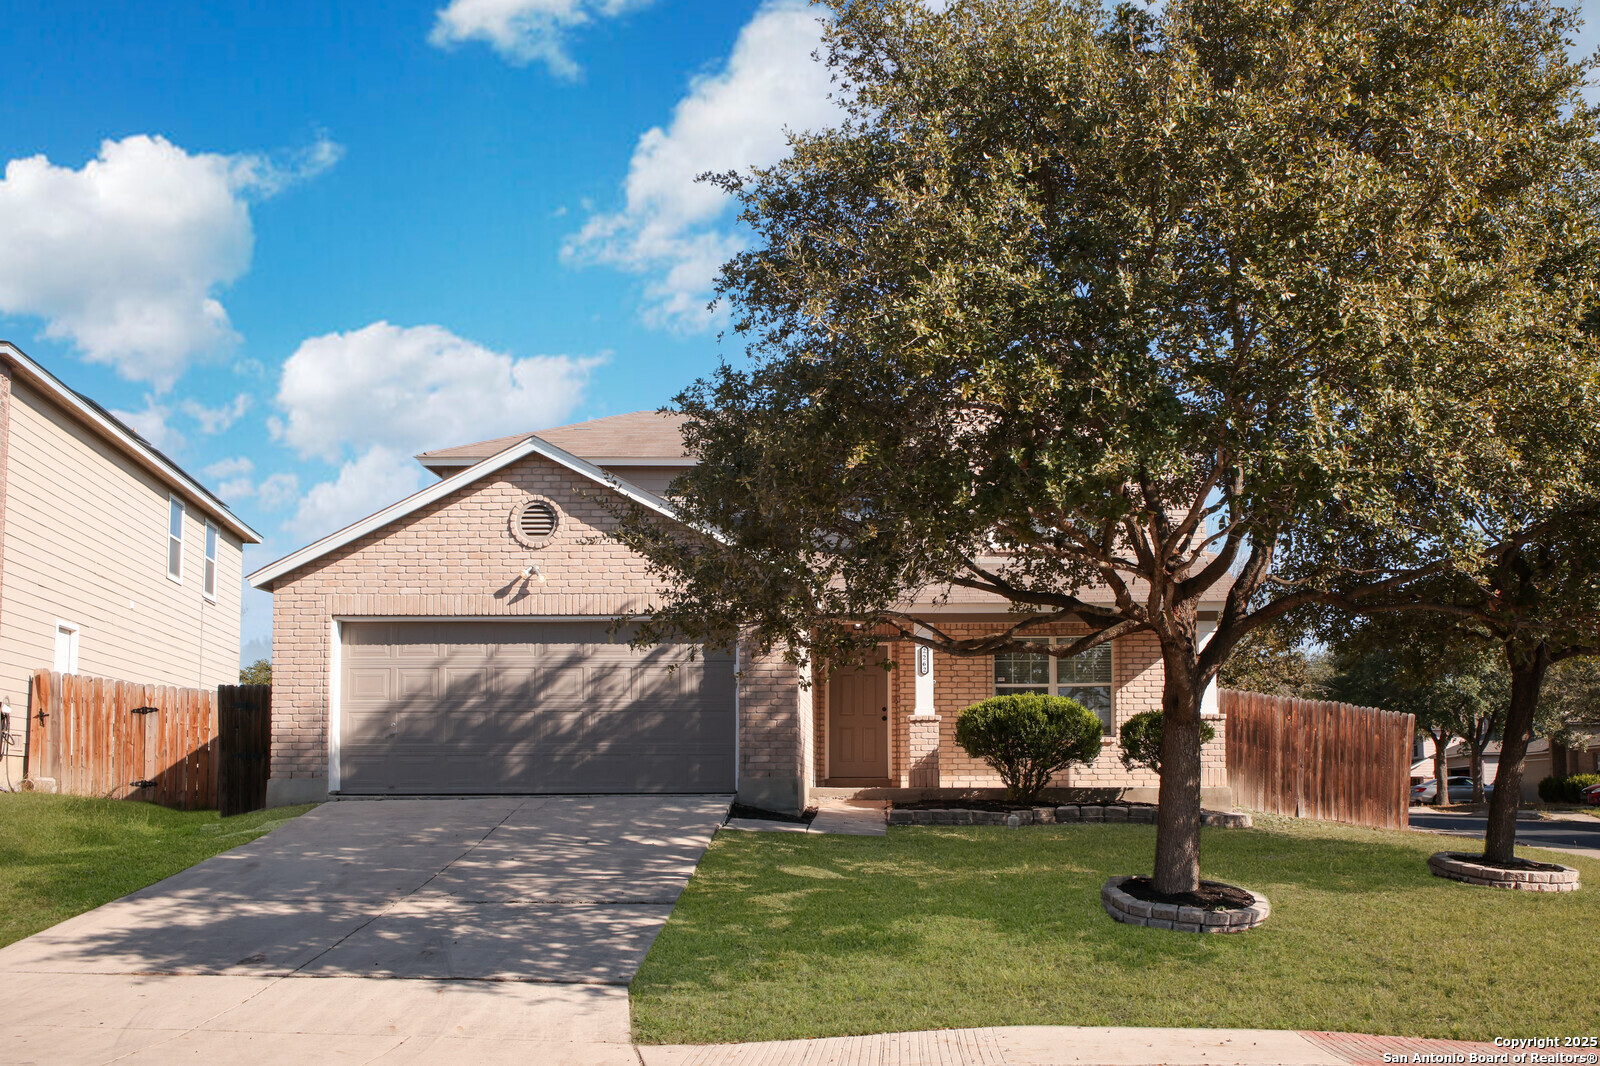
[143,710]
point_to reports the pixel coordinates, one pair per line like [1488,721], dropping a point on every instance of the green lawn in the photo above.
[782,936]
[63,855]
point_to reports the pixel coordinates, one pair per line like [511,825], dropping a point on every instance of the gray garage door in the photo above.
[476,707]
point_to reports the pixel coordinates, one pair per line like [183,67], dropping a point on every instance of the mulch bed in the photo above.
[1213,895]
[999,806]
[741,811]
[1514,864]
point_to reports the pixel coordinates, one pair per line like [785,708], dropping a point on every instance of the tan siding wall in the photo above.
[86,542]
[650,478]
[457,558]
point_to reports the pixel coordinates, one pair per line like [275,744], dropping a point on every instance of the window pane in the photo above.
[211,542]
[1043,690]
[1092,667]
[175,524]
[211,577]
[1096,698]
[174,557]
[1021,668]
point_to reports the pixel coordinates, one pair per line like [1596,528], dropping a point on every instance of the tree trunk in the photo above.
[1527,677]
[1177,867]
[1558,759]
[1441,794]
[1477,773]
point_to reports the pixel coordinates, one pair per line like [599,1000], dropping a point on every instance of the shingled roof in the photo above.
[648,437]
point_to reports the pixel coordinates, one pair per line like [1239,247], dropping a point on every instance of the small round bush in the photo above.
[1028,737]
[1141,740]
[1550,789]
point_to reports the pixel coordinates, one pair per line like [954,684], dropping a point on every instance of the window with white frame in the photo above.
[211,562]
[175,541]
[1085,677]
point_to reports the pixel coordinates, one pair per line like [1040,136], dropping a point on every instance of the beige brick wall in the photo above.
[457,558]
[960,682]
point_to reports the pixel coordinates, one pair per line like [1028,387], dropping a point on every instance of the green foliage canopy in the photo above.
[257,673]
[1141,303]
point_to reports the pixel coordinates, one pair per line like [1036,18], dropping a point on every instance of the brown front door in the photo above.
[858,723]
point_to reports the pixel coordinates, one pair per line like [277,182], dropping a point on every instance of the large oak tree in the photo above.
[1071,300]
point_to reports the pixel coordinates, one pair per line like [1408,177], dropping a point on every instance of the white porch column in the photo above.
[923,738]
[923,660]
[1208,701]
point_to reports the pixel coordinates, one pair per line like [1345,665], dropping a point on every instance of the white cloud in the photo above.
[238,466]
[278,491]
[417,387]
[369,483]
[677,231]
[371,398]
[525,31]
[154,425]
[235,489]
[125,256]
[213,420]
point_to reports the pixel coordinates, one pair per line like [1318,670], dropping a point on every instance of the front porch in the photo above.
[888,731]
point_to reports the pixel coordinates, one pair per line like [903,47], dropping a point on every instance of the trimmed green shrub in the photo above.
[1141,740]
[1028,737]
[1567,789]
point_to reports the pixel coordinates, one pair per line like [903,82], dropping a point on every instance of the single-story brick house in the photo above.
[457,642]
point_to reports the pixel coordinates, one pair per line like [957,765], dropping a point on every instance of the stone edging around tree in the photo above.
[1124,908]
[1453,866]
[1057,816]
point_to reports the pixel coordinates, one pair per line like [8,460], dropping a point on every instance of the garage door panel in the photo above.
[530,707]
[657,682]
[366,683]
[611,683]
[417,684]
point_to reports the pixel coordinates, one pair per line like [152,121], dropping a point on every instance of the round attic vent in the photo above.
[535,521]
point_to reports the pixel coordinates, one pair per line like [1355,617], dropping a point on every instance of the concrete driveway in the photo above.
[482,930]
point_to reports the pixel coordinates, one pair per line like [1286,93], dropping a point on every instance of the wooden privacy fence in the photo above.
[92,736]
[244,747]
[1317,759]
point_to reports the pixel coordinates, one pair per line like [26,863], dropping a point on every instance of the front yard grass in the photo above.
[783,936]
[63,855]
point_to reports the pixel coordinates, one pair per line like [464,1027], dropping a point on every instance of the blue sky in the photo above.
[294,243]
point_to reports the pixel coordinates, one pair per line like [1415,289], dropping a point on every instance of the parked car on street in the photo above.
[1460,790]
[1591,795]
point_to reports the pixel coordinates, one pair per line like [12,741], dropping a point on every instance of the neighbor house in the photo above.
[113,561]
[461,641]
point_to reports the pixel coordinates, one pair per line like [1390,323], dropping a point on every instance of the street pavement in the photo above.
[1579,835]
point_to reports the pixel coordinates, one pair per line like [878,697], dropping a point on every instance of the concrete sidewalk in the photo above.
[1055,1045]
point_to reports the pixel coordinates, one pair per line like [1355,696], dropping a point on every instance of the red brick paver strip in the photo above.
[1028,1045]
[1359,1050]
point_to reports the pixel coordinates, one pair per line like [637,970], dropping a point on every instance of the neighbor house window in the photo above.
[1085,677]
[175,541]
[66,648]
[211,562]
